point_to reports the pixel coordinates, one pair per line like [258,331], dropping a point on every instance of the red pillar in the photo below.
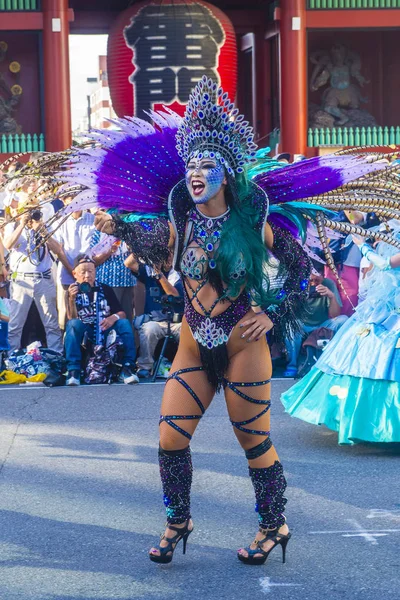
[56,75]
[293,76]
[263,87]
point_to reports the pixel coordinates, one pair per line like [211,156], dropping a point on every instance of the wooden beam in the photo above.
[24,158]
[352,19]
[272,30]
[247,21]
[21,21]
[86,21]
[93,21]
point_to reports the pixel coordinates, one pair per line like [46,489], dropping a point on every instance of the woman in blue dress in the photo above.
[354,388]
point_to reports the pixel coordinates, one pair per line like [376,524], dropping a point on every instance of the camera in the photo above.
[312,292]
[170,300]
[322,343]
[84,288]
[172,307]
[36,214]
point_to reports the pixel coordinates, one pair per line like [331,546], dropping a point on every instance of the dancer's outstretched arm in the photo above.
[395,261]
[384,263]
[151,240]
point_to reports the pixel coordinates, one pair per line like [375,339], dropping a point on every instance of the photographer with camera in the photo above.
[75,235]
[94,309]
[324,310]
[30,262]
[162,284]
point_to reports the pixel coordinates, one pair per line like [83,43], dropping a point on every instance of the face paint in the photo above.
[204,178]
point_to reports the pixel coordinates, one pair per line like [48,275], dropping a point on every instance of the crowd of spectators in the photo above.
[71,290]
[74,293]
[324,308]
[329,303]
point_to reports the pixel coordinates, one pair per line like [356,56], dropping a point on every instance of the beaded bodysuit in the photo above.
[198,267]
[196,243]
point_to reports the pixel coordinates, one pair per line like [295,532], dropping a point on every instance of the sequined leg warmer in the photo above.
[176,478]
[269,486]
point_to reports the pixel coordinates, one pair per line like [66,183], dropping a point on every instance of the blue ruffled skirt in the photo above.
[359,409]
[354,388]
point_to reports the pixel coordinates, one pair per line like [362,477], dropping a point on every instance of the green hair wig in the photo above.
[240,238]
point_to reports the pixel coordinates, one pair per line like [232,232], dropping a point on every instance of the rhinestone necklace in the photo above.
[207,231]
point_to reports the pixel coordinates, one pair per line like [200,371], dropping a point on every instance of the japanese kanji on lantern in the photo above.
[158,51]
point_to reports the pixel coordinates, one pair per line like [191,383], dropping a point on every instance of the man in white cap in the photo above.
[31,268]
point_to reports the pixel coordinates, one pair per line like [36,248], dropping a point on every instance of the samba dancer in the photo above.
[215,222]
[354,388]
[219,235]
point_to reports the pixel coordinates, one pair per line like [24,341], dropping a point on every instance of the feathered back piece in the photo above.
[134,168]
[304,197]
[316,177]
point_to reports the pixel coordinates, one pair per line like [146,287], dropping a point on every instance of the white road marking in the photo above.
[266,584]
[369,535]
[382,513]
[346,531]
[366,535]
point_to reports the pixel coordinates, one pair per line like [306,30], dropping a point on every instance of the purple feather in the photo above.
[314,176]
[134,170]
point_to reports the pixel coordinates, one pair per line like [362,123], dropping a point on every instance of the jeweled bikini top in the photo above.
[202,238]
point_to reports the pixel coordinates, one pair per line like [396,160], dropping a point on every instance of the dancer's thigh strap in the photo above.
[234,386]
[171,419]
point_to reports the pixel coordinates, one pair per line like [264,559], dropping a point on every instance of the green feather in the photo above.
[264,163]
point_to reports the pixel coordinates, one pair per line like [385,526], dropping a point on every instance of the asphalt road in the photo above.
[80,504]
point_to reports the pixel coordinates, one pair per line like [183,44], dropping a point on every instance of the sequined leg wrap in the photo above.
[267,403]
[269,486]
[171,418]
[176,478]
[259,450]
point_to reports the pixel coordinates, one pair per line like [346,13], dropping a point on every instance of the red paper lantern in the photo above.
[157,51]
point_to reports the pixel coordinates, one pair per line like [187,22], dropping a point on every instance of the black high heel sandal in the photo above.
[273,535]
[182,534]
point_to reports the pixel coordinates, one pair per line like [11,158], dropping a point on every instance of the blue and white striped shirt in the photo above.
[113,271]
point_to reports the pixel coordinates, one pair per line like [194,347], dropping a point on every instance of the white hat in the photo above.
[10,196]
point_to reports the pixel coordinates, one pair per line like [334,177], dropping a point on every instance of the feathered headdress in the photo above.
[213,127]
